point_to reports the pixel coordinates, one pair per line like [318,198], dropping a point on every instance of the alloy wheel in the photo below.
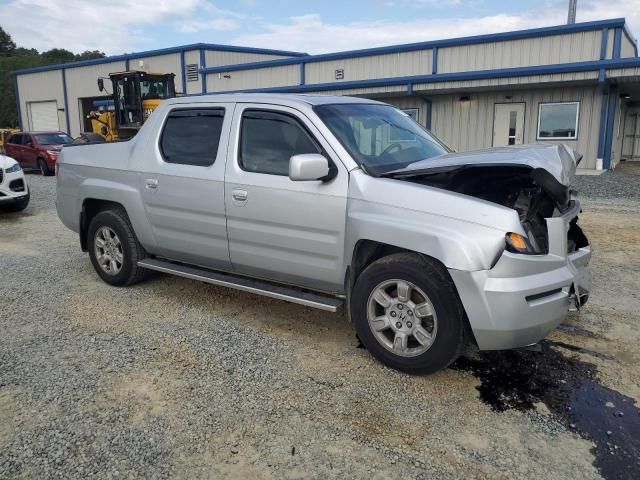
[402,318]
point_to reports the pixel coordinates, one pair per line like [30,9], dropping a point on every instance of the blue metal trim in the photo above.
[66,100]
[611,116]
[302,72]
[184,74]
[126,65]
[17,95]
[520,34]
[603,45]
[434,66]
[203,67]
[409,88]
[532,33]
[594,65]
[602,75]
[602,129]
[161,51]
[617,43]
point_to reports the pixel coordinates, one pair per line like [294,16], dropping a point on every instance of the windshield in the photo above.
[155,88]
[53,139]
[380,138]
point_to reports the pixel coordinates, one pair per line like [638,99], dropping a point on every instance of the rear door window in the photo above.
[192,136]
[15,139]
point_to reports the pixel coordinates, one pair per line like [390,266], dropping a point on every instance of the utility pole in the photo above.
[571,18]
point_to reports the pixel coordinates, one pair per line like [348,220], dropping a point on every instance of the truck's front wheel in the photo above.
[408,314]
[114,249]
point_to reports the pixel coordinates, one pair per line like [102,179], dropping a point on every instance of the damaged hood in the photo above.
[558,161]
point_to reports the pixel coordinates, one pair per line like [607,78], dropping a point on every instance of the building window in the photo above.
[558,121]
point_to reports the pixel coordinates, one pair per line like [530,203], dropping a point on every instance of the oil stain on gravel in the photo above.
[567,386]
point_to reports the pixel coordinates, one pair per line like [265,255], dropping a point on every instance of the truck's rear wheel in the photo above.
[408,314]
[114,249]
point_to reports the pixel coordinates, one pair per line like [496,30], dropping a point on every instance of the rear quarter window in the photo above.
[192,136]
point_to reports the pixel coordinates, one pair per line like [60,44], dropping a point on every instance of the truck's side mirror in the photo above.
[308,166]
[100,84]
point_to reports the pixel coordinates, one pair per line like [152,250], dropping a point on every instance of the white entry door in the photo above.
[43,116]
[508,124]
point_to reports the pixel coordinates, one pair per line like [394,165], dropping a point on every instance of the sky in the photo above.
[124,26]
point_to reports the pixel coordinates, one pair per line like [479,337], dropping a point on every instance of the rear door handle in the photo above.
[151,183]
[240,195]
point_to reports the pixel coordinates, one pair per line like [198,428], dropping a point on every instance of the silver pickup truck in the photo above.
[323,201]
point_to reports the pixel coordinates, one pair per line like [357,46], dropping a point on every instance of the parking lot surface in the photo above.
[175,378]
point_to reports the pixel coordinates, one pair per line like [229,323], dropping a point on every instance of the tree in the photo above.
[90,55]
[57,55]
[7,45]
[16,58]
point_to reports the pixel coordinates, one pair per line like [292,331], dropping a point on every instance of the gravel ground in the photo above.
[174,378]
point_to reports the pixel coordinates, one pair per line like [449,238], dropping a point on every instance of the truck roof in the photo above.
[279,98]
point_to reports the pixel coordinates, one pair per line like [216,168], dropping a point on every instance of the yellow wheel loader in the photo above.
[135,95]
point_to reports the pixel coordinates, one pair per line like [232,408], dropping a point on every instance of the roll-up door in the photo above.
[43,116]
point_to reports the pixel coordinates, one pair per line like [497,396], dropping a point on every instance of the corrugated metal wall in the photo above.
[160,64]
[627,48]
[574,47]
[418,62]
[81,83]
[39,87]
[468,125]
[285,75]
[216,58]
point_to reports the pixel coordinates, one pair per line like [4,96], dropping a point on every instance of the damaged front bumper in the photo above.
[523,297]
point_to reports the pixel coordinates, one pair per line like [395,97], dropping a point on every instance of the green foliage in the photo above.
[15,58]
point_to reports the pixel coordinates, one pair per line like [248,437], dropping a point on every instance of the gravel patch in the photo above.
[177,379]
[621,183]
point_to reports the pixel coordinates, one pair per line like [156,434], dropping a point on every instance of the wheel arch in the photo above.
[366,252]
[97,194]
[90,208]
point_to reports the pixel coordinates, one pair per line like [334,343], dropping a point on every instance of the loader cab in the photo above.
[136,95]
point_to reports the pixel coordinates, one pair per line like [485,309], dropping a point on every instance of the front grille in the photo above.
[17,185]
[1,175]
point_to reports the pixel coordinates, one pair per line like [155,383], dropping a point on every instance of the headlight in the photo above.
[516,243]
[13,168]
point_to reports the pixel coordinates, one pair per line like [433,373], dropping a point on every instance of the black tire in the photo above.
[433,279]
[44,168]
[118,221]
[20,204]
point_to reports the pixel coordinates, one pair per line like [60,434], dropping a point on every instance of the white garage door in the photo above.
[43,116]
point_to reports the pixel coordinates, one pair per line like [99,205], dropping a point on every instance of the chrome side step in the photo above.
[281,292]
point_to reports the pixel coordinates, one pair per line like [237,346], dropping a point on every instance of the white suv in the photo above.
[14,192]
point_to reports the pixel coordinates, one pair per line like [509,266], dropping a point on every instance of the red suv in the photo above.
[37,149]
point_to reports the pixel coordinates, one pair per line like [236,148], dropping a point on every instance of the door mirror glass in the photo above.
[308,166]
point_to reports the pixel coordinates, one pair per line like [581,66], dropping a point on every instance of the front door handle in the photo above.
[151,183]
[240,195]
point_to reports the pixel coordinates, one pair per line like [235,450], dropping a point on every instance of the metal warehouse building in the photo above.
[577,84]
